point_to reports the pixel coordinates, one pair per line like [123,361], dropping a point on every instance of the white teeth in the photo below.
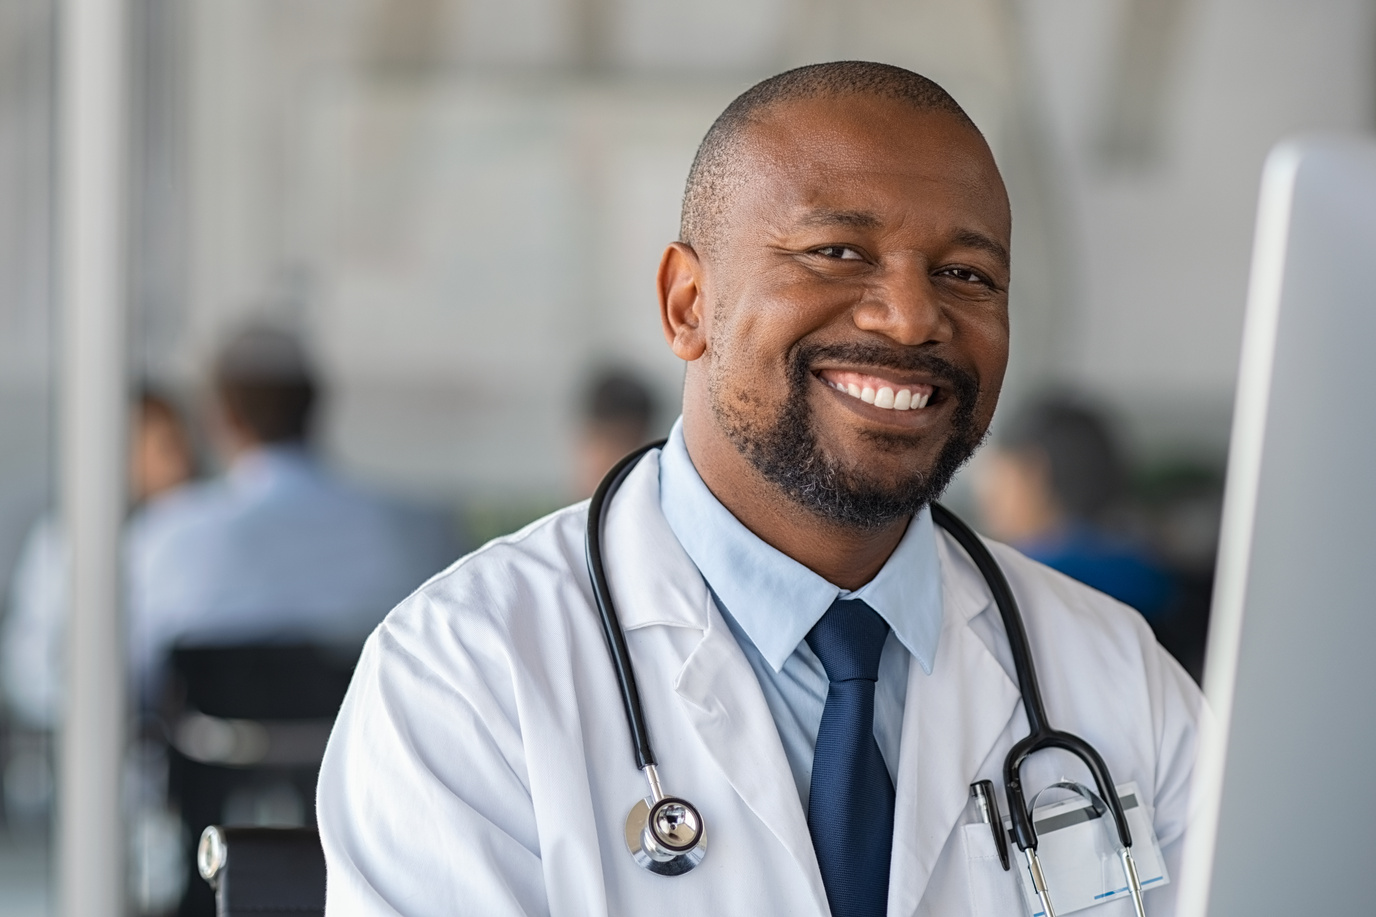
[885,397]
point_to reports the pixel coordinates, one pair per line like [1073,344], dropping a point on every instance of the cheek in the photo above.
[747,339]
[774,311]
[988,349]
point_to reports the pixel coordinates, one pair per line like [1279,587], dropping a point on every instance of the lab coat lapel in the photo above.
[732,719]
[951,722]
[655,583]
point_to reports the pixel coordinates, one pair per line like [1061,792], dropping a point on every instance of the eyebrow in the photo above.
[978,240]
[855,219]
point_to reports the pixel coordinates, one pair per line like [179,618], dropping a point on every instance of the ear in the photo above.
[682,305]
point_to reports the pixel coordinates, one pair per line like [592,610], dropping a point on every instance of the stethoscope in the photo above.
[667,834]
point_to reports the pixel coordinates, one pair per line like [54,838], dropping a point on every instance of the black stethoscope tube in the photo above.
[1040,734]
[611,626]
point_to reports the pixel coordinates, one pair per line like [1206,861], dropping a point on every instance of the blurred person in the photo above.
[618,415]
[822,666]
[1049,486]
[161,454]
[278,548]
[161,460]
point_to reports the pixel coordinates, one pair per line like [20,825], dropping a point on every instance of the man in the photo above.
[618,413]
[1049,486]
[814,661]
[278,548]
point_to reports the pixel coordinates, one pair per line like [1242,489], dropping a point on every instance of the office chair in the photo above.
[246,727]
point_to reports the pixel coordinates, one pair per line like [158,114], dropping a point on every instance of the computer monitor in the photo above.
[1286,817]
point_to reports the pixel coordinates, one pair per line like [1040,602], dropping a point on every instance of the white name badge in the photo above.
[1079,853]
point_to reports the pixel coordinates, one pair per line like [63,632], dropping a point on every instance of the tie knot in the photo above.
[848,640]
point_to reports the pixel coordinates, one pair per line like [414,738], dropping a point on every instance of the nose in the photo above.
[905,306]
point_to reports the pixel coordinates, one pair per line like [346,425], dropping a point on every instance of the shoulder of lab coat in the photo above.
[487,697]
[410,823]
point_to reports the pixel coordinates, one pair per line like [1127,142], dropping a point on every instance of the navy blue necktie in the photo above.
[850,806]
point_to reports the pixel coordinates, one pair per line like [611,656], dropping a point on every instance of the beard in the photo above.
[788,453]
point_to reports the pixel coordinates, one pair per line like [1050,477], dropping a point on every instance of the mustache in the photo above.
[877,356]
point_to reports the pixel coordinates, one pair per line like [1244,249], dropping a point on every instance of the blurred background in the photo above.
[440,219]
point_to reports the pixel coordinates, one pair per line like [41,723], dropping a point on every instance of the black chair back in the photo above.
[263,681]
[248,723]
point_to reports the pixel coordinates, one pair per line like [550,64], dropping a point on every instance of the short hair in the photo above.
[1087,468]
[265,381]
[712,178]
[619,398]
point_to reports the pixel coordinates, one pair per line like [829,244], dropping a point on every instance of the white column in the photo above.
[92,79]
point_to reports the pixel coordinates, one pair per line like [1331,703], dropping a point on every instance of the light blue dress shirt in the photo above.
[277,549]
[771,601]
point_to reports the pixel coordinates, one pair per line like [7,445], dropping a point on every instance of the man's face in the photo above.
[864,255]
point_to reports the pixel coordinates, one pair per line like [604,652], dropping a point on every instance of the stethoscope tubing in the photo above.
[611,626]
[1040,734]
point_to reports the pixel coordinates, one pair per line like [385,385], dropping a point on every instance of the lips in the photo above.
[888,394]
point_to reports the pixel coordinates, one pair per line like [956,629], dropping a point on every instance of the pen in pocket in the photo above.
[983,791]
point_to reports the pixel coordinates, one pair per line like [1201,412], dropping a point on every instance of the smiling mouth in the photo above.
[878,391]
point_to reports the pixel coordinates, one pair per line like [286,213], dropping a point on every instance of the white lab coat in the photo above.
[481,762]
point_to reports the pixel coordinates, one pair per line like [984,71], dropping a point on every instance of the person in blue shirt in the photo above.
[278,548]
[1047,488]
[618,414]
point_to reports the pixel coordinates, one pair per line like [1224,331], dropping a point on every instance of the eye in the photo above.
[966,275]
[839,252]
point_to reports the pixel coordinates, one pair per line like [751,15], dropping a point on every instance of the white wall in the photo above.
[1162,246]
[463,206]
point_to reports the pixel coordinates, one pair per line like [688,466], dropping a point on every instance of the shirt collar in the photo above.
[260,465]
[776,600]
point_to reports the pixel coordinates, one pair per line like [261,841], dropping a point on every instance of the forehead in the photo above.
[867,154]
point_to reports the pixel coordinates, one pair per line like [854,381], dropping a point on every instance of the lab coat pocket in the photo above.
[993,892]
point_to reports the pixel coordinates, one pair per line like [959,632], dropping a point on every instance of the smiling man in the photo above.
[823,672]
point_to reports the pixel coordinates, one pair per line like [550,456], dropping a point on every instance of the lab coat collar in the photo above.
[652,579]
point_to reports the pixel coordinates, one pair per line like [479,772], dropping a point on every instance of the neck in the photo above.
[240,447]
[842,556]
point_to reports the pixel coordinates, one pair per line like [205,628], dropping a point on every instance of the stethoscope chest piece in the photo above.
[667,837]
